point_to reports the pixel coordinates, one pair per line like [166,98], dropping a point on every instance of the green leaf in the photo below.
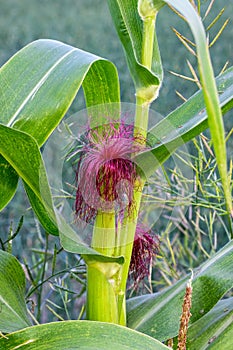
[12,288]
[8,183]
[158,314]
[38,85]
[86,335]
[22,153]
[41,210]
[129,27]
[210,92]
[183,124]
[223,342]
[214,330]
[72,243]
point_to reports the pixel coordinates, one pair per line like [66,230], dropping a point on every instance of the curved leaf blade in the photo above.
[86,335]
[183,124]
[129,27]
[12,289]
[224,341]
[23,154]
[210,92]
[147,313]
[72,243]
[39,83]
[212,330]
[8,183]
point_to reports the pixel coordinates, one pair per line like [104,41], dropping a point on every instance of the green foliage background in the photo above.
[88,25]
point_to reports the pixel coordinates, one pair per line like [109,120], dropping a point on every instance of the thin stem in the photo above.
[148,41]
[141,125]
[141,116]
[40,292]
[127,232]
[142,100]
[230,224]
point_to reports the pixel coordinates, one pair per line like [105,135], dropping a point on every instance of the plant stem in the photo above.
[103,292]
[43,271]
[103,239]
[107,281]
[148,41]
[101,298]
[127,232]
[128,226]
[141,116]
[142,99]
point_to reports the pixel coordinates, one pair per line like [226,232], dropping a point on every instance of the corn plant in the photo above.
[113,158]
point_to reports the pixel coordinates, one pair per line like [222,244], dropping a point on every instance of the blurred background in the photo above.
[88,26]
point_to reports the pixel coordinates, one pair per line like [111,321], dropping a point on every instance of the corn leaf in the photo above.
[38,85]
[12,288]
[158,314]
[83,335]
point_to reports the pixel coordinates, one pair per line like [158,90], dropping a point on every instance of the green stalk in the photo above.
[127,232]
[102,277]
[103,239]
[148,40]
[143,100]
[143,95]
[128,227]
[141,116]
[107,281]
[101,292]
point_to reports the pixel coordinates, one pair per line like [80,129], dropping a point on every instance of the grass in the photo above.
[185,208]
[197,222]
